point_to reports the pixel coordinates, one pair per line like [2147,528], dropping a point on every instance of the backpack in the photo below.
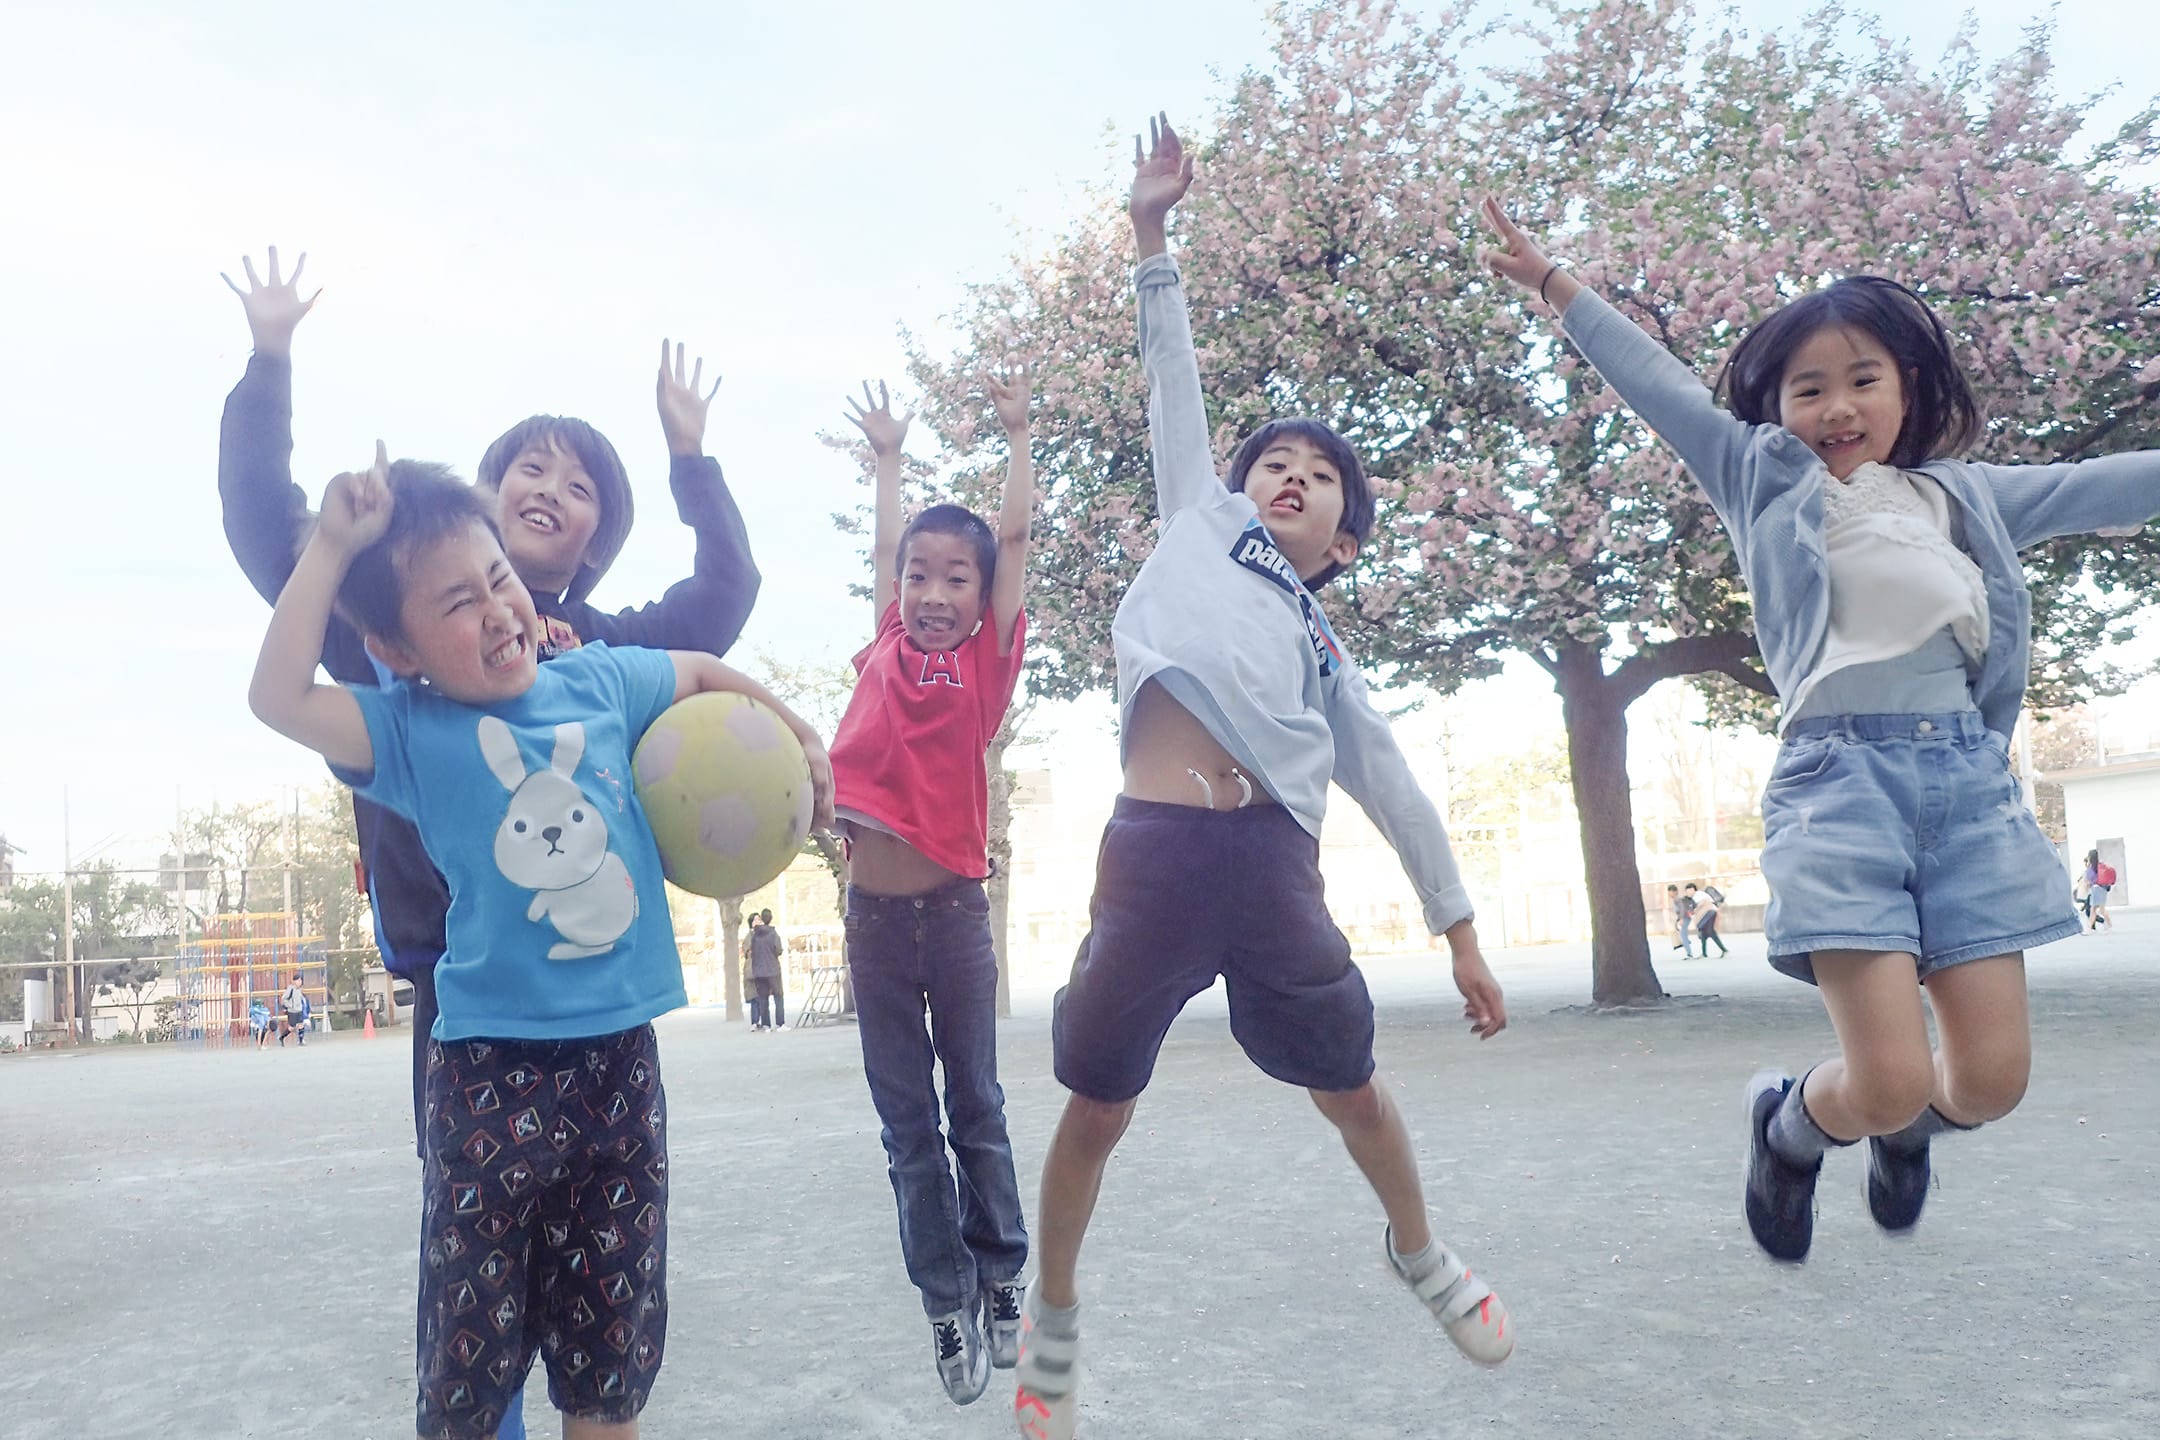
[2104,874]
[1717,896]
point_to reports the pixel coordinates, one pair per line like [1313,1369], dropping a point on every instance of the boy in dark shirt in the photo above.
[564,507]
[562,502]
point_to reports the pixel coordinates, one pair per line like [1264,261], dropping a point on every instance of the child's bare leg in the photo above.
[574,1428]
[1373,1131]
[1885,1075]
[1985,1026]
[1071,1180]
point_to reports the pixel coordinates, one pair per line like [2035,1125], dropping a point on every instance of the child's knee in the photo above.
[1096,1125]
[1358,1109]
[1988,1091]
[1886,1095]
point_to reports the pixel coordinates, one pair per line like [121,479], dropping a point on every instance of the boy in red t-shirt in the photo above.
[913,799]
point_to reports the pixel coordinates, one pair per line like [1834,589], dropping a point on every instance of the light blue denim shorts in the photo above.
[1905,833]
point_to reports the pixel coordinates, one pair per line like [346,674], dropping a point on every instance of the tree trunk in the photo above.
[1594,707]
[730,960]
[999,885]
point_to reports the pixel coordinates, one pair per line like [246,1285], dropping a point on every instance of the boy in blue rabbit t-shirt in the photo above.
[545,1195]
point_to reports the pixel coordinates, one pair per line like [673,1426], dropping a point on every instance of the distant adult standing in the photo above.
[766,979]
[1683,925]
[760,1013]
[1707,899]
[2099,879]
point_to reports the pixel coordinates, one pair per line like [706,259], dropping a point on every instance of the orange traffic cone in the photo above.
[367,1026]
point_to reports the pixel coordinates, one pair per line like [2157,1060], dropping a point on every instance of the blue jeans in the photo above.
[1904,833]
[918,956]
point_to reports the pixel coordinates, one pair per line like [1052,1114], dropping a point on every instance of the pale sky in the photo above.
[509,205]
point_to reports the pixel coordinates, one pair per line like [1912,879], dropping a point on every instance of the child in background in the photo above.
[1707,900]
[1238,707]
[2099,883]
[1894,619]
[1683,924]
[293,1016]
[933,686]
[545,1195]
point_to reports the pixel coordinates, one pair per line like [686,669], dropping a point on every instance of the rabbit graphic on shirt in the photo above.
[554,841]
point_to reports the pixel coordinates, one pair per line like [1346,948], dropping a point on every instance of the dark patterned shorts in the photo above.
[544,1226]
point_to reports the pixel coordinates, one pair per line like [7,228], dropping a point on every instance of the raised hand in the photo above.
[356,508]
[874,418]
[1521,260]
[274,309]
[683,407]
[1161,176]
[1009,396]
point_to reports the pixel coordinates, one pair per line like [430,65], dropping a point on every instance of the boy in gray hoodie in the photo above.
[1238,707]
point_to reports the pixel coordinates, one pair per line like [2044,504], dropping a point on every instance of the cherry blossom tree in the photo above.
[1698,177]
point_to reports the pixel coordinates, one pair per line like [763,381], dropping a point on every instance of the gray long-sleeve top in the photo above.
[1220,619]
[1767,488]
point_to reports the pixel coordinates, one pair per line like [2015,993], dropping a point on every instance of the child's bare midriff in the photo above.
[1166,746]
[882,863]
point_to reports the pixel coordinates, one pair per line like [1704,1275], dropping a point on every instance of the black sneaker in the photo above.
[1897,1184]
[1780,1194]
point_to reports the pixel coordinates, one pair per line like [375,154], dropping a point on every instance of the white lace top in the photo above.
[1897,575]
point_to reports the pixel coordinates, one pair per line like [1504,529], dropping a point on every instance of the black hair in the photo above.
[764,917]
[953,520]
[592,451]
[1942,416]
[1357,497]
[429,502]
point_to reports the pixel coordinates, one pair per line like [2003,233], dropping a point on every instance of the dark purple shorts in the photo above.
[1183,895]
[543,1227]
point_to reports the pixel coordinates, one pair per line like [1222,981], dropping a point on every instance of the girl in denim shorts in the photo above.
[1893,618]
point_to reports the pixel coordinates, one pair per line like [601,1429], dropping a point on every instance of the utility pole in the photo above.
[67,922]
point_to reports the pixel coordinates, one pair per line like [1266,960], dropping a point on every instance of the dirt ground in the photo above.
[223,1244]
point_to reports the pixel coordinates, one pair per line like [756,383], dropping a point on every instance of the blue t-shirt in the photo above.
[558,925]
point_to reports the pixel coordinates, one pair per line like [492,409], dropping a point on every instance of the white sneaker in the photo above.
[1001,1320]
[1464,1305]
[1046,1404]
[963,1362]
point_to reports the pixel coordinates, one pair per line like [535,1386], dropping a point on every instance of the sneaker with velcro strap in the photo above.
[1465,1306]
[1046,1399]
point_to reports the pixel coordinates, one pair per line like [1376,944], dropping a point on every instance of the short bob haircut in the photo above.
[592,451]
[1357,499]
[1942,416]
[430,502]
[952,520]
